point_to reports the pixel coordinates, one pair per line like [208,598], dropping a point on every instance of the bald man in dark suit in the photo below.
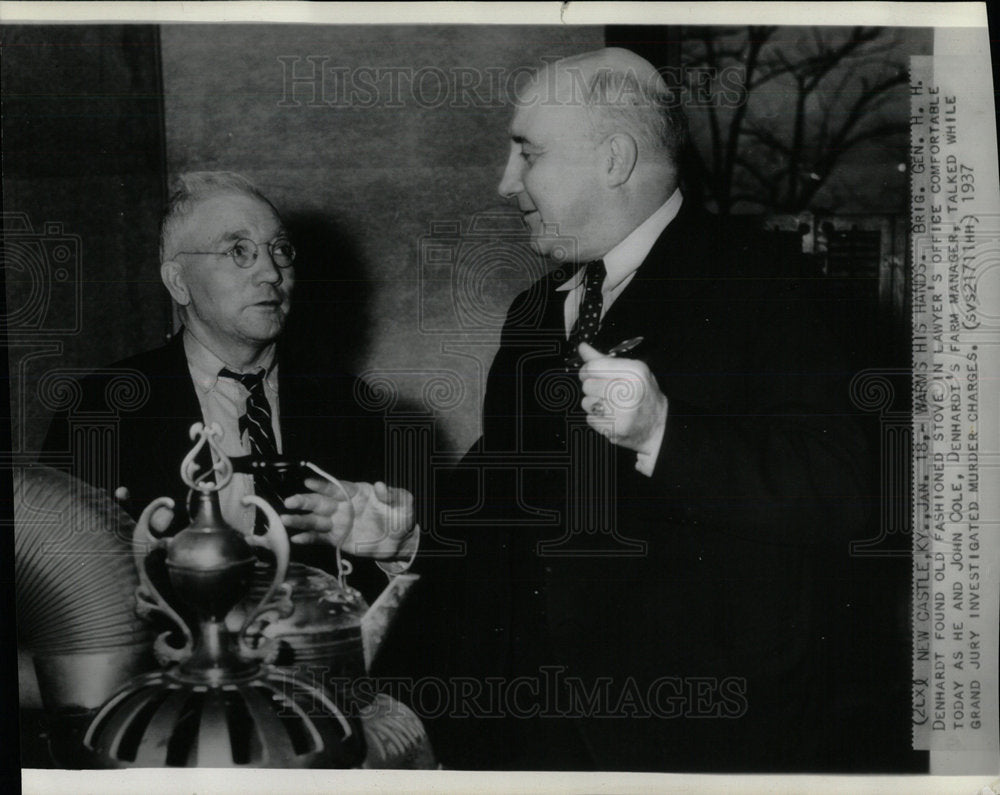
[668,475]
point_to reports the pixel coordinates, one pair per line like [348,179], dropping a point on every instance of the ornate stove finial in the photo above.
[222,467]
[209,562]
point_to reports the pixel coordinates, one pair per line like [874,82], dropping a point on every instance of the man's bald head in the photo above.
[593,152]
[621,92]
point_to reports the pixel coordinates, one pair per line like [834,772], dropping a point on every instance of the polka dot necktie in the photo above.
[256,422]
[589,319]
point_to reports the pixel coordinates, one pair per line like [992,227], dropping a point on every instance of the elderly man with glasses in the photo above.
[228,265]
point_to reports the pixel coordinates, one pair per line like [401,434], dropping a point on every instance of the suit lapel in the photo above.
[658,300]
[178,406]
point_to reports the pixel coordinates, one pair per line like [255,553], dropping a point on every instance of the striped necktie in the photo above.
[588,321]
[256,422]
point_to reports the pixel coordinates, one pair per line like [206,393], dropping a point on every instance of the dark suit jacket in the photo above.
[321,421]
[698,597]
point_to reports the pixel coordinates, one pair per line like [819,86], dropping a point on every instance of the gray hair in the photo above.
[195,186]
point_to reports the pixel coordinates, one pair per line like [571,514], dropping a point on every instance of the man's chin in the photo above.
[266,332]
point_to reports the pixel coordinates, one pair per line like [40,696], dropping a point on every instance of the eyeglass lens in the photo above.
[281,250]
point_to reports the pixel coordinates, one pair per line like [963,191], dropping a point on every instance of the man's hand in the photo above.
[622,400]
[381,528]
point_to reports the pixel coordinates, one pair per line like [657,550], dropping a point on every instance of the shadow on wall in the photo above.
[330,329]
[331,324]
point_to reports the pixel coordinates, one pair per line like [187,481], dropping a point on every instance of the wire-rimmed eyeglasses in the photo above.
[244,252]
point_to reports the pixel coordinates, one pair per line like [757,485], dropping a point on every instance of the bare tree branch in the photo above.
[837,87]
[767,138]
[758,37]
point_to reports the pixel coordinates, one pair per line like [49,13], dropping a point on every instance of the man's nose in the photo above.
[265,270]
[510,184]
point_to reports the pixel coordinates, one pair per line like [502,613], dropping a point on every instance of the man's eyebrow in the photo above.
[230,236]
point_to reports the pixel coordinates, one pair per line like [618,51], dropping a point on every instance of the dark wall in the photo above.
[82,192]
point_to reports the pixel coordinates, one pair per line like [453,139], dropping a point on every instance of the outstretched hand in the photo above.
[383,518]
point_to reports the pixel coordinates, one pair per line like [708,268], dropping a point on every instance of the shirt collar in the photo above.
[627,256]
[205,365]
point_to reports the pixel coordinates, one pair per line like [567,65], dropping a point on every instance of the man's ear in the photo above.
[623,152]
[172,274]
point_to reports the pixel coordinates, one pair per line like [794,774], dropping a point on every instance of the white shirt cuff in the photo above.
[645,463]
[395,567]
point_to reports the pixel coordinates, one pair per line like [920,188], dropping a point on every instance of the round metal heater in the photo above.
[219,704]
[75,586]
[272,720]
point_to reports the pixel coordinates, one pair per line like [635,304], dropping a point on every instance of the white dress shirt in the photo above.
[223,401]
[621,263]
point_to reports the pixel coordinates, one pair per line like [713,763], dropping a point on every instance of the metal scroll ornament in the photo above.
[218,704]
